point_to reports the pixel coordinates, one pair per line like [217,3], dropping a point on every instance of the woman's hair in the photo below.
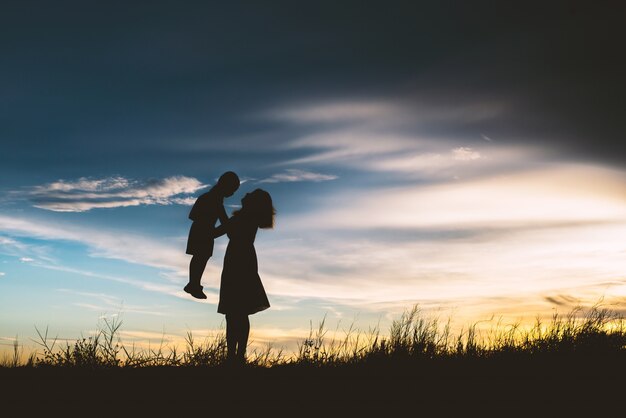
[259,205]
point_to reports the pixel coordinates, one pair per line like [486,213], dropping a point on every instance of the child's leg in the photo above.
[196,268]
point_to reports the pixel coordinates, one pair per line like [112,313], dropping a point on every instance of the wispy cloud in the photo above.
[112,192]
[337,111]
[118,245]
[443,164]
[349,144]
[108,303]
[554,193]
[150,286]
[85,184]
[397,137]
[294,175]
[379,111]
[521,265]
[423,159]
[8,241]
[348,272]
[30,252]
[466,154]
[12,247]
[541,231]
[377,274]
[2,273]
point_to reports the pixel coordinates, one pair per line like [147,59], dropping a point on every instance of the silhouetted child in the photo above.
[207,209]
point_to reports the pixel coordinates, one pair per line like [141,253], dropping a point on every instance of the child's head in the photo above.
[228,183]
[259,204]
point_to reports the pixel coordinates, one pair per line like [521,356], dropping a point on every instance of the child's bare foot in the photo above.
[195,291]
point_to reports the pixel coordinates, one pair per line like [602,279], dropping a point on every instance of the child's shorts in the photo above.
[200,240]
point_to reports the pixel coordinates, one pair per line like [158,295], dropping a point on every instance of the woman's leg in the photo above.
[237,332]
[242,341]
[231,336]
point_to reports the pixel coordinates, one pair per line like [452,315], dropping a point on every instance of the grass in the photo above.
[571,365]
[413,340]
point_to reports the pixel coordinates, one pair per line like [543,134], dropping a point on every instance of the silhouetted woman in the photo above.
[241,290]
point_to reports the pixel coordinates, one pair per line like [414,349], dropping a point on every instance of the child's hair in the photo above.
[229,179]
[259,204]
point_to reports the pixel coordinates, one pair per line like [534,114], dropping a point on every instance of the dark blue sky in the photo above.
[116,87]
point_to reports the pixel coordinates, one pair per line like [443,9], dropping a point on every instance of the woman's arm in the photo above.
[221,215]
[220,230]
[224,228]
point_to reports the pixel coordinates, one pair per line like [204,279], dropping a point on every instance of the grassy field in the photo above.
[581,354]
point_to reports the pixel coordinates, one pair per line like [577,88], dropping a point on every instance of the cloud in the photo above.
[537,232]
[349,144]
[327,264]
[84,184]
[8,241]
[12,247]
[337,111]
[118,245]
[150,286]
[25,252]
[293,175]
[112,192]
[447,164]
[186,201]
[553,193]
[377,111]
[465,154]
[525,264]
[2,273]
[401,137]
[110,302]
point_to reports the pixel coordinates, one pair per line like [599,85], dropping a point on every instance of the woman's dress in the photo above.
[241,290]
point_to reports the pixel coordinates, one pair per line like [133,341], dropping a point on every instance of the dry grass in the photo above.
[597,331]
[412,337]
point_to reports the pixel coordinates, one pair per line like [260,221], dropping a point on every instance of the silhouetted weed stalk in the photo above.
[597,331]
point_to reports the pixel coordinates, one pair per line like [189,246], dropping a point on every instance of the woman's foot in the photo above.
[195,291]
[235,361]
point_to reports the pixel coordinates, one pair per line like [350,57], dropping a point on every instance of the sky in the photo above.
[467,157]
